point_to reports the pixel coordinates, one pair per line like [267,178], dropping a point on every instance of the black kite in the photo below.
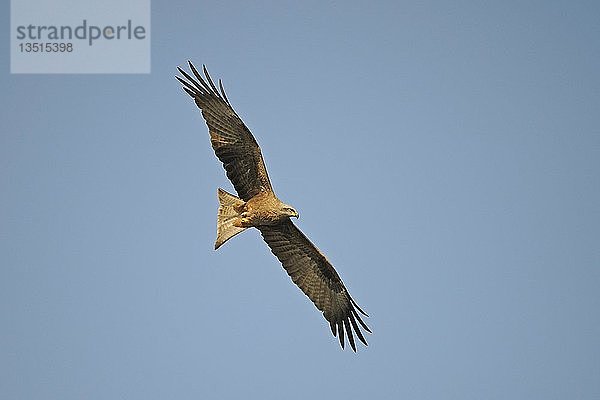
[257,206]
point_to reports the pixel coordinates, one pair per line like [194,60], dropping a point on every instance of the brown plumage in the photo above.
[257,206]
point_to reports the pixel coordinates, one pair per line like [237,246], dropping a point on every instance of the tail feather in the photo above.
[226,216]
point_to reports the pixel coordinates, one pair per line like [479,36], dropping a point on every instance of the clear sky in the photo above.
[444,155]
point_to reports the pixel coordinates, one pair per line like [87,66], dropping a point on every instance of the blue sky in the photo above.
[444,155]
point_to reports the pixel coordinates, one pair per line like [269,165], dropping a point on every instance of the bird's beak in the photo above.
[296,214]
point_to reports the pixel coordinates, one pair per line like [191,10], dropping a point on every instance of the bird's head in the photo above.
[289,211]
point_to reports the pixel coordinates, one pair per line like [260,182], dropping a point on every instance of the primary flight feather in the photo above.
[257,206]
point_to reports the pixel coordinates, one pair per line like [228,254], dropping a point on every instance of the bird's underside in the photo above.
[257,206]
[235,215]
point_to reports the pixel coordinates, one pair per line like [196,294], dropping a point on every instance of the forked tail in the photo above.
[226,216]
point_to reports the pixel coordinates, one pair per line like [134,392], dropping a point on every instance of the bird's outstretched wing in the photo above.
[232,141]
[314,274]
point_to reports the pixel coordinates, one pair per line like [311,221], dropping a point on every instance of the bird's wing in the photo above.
[232,141]
[312,272]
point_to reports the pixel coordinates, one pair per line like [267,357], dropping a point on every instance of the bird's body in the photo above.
[257,206]
[264,209]
[235,215]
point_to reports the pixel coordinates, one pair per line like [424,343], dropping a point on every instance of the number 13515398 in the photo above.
[48,47]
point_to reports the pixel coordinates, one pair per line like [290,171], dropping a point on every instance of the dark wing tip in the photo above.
[210,81]
[341,333]
[350,335]
[358,308]
[223,92]
[204,84]
[349,325]
[360,321]
[202,87]
[357,330]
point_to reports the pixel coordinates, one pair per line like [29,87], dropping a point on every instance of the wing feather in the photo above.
[231,140]
[315,276]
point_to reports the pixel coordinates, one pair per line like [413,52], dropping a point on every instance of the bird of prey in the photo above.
[257,206]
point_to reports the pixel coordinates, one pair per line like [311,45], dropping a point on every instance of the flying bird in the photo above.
[257,206]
